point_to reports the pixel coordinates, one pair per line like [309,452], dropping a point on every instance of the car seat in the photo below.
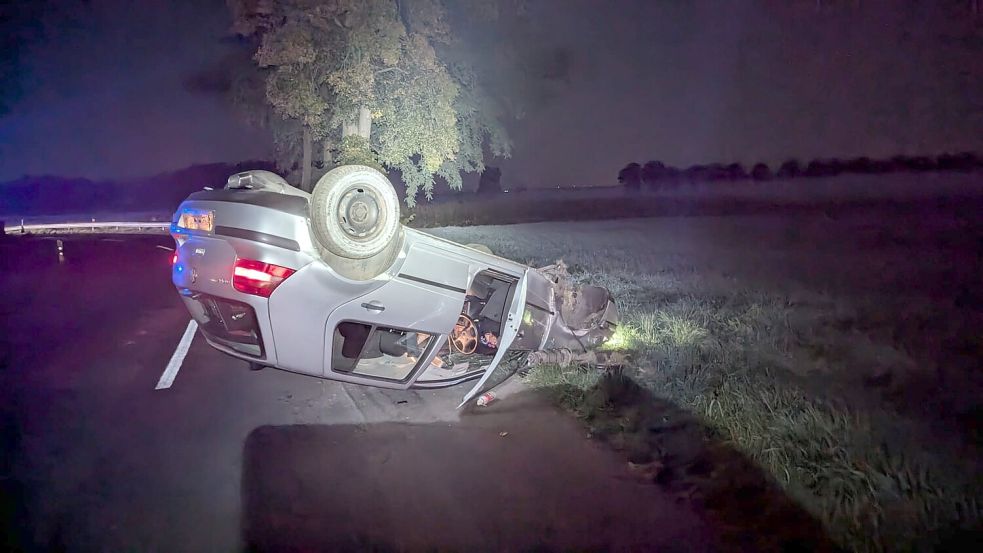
[494,308]
[391,343]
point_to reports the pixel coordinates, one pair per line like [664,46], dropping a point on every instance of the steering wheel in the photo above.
[464,337]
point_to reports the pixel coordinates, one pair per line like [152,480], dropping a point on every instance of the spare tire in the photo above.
[354,212]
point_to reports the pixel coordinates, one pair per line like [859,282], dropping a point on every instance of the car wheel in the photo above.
[354,212]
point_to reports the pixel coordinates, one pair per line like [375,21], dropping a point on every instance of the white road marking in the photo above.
[174,365]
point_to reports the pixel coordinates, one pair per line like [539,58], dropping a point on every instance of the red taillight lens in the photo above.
[258,278]
[174,258]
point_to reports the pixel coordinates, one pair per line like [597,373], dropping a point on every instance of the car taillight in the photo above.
[174,258]
[258,278]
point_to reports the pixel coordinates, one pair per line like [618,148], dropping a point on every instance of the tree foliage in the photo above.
[630,176]
[328,62]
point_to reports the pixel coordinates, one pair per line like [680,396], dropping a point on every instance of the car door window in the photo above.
[377,351]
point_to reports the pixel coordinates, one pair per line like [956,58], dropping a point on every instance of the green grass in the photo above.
[769,375]
[726,358]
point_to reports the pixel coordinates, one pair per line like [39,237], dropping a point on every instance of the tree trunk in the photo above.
[361,125]
[364,123]
[326,158]
[305,172]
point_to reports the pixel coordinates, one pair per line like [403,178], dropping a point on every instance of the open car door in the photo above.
[497,372]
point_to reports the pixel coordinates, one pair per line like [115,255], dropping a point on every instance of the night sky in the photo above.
[600,84]
[105,94]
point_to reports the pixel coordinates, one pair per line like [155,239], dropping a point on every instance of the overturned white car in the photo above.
[331,285]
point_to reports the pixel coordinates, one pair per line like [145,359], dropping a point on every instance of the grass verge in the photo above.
[745,364]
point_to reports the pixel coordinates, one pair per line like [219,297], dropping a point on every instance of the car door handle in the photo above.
[374,305]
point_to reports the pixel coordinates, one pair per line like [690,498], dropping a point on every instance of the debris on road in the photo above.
[503,434]
[648,472]
[604,360]
[486,398]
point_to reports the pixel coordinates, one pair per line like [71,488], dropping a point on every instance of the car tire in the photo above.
[354,212]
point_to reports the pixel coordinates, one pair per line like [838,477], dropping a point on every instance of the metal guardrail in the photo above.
[91,226]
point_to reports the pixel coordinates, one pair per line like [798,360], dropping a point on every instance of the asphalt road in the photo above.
[95,459]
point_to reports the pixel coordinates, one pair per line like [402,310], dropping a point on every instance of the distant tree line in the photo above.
[51,195]
[656,174]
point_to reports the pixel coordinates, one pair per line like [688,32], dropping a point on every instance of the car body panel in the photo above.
[538,315]
[299,333]
[431,266]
